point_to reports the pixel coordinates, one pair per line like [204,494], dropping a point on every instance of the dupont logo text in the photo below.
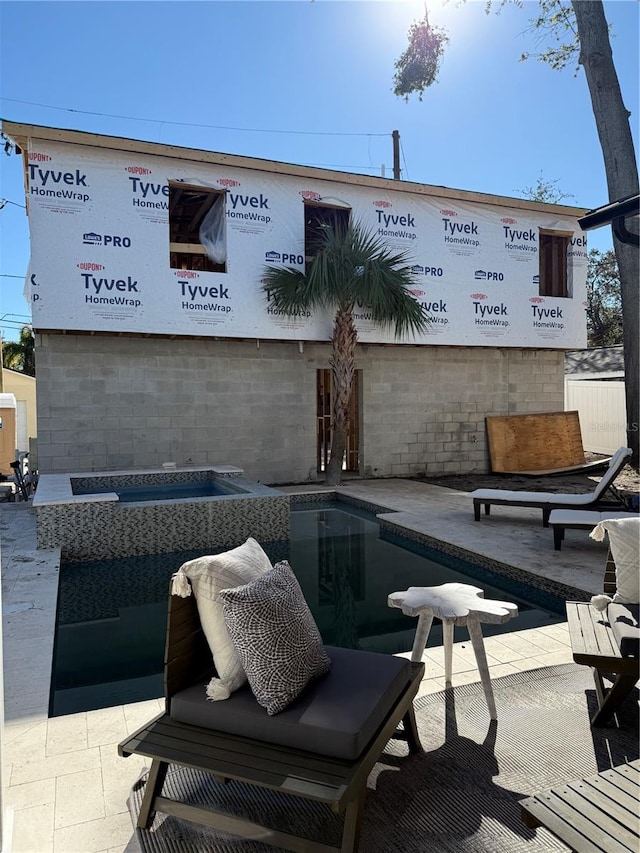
[89,265]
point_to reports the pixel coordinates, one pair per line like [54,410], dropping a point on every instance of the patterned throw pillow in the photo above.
[275,636]
[208,575]
[624,541]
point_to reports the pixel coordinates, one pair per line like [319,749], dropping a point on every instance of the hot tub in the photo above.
[122,513]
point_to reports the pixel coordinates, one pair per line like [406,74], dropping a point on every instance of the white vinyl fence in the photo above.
[602,410]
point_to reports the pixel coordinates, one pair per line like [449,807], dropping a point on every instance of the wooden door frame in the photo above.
[323,422]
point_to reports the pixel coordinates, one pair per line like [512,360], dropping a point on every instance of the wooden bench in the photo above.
[340,783]
[593,644]
[597,814]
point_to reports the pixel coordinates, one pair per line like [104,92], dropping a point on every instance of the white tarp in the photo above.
[100,254]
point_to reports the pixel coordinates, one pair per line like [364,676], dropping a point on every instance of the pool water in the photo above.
[165,491]
[111,617]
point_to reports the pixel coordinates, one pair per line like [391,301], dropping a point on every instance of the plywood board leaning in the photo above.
[546,441]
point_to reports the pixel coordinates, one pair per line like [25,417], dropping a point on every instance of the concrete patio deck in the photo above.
[65,788]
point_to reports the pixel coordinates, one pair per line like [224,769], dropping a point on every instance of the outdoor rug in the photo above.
[460,796]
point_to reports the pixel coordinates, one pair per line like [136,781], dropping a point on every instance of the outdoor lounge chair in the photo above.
[322,747]
[546,501]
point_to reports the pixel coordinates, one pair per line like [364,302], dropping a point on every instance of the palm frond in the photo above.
[286,287]
[353,266]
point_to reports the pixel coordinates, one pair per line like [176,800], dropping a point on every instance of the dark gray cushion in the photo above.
[336,716]
[623,619]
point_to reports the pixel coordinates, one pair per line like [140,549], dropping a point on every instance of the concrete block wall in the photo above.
[425,407]
[107,402]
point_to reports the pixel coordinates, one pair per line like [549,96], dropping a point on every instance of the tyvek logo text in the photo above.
[49,183]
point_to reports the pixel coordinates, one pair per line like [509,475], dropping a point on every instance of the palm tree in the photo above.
[20,355]
[351,265]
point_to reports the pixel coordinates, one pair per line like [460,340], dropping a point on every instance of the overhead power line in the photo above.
[5,201]
[192,124]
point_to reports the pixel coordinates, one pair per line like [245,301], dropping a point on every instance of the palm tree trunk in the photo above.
[343,351]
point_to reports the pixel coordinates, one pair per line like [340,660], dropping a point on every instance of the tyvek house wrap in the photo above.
[99,223]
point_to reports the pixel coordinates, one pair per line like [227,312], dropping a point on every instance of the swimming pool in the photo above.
[111,615]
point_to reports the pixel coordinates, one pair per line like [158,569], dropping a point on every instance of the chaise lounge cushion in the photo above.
[537,498]
[207,576]
[275,635]
[336,716]
[623,619]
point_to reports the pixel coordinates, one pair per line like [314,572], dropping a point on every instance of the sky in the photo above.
[307,82]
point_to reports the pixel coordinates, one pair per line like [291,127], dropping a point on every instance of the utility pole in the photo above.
[396,155]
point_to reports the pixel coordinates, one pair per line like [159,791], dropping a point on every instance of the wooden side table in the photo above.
[454,604]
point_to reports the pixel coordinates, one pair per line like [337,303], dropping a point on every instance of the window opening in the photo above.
[554,280]
[197,237]
[317,218]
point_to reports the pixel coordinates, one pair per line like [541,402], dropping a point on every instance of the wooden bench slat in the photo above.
[270,767]
[619,785]
[596,632]
[597,813]
[209,741]
[621,807]
[537,812]
[567,811]
[590,633]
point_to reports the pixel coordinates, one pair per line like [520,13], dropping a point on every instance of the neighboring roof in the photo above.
[600,363]
[22,134]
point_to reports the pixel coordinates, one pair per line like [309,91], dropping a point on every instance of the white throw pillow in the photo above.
[208,575]
[624,541]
